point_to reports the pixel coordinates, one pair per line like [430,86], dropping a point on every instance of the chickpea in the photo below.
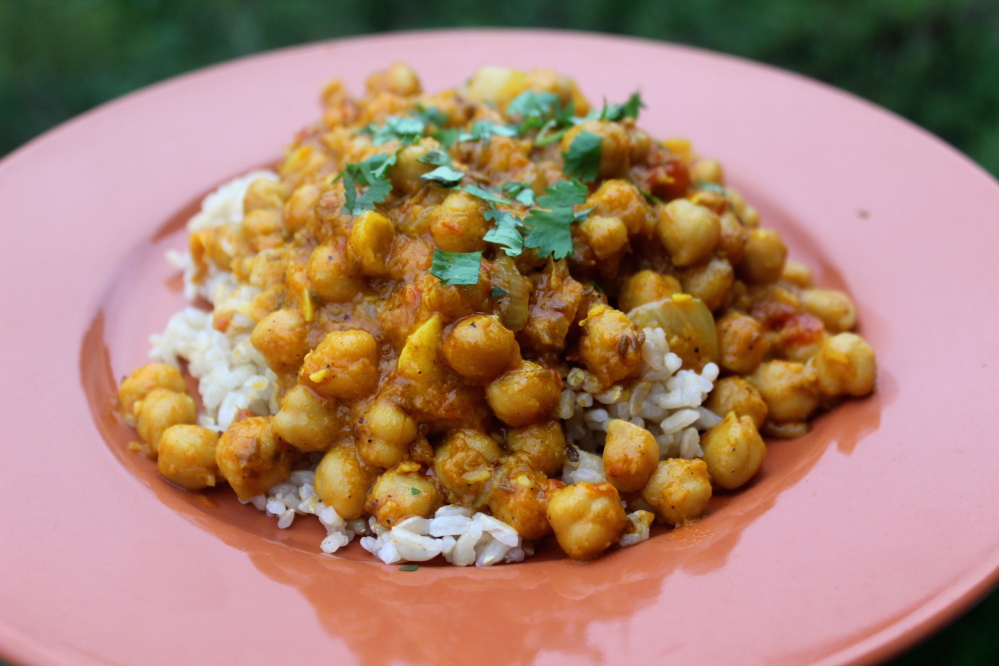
[798,274]
[763,257]
[525,394]
[252,458]
[369,244]
[832,306]
[480,348]
[458,223]
[384,434]
[791,390]
[709,171]
[301,207]
[519,497]
[631,455]
[344,365]
[160,409]
[742,343]
[264,193]
[732,239]
[498,85]
[611,344]
[187,456]
[688,231]
[262,228]
[541,445]
[405,173]
[621,199]
[646,287]
[735,394]
[138,385]
[733,451]
[329,275]
[462,464]
[845,365]
[710,281]
[281,337]
[587,519]
[342,481]
[306,420]
[401,492]
[399,79]
[615,146]
[679,490]
[607,236]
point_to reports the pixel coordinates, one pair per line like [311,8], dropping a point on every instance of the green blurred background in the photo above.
[935,62]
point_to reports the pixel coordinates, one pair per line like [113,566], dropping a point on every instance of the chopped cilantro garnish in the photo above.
[618,112]
[456,267]
[371,173]
[406,130]
[430,115]
[410,567]
[436,158]
[506,233]
[712,187]
[485,129]
[447,137]
[583,157]
[444,176]
[550,231]
[521,192]
[414,491]
[563,193]
[496,292]
[485,195]
[531,104]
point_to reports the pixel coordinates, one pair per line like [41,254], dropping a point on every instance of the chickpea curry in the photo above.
[441,286]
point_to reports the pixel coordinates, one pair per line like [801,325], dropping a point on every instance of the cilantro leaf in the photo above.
[506,233]
[372,174]
[447,137]
[712,187]
[430,115]
[496,292]
[414,491]
[444,176]
[375,194]
[583,157]
[410,567]
[633,104]
[456,267]
[485,130]
[521,192]
[618,112]
[550,232]
[563,193]
[485,195]
[530,103]
[436,158]
[406,130]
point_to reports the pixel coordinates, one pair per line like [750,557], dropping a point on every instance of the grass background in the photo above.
[935,62]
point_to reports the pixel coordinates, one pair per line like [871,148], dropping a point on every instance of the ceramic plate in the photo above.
[856,541]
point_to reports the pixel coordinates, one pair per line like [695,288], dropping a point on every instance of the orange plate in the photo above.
[855,541]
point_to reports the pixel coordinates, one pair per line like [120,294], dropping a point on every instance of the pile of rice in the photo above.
[232,376]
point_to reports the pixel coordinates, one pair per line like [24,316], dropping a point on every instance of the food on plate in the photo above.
[456,324]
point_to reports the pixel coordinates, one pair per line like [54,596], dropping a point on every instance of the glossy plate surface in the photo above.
[856,540]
